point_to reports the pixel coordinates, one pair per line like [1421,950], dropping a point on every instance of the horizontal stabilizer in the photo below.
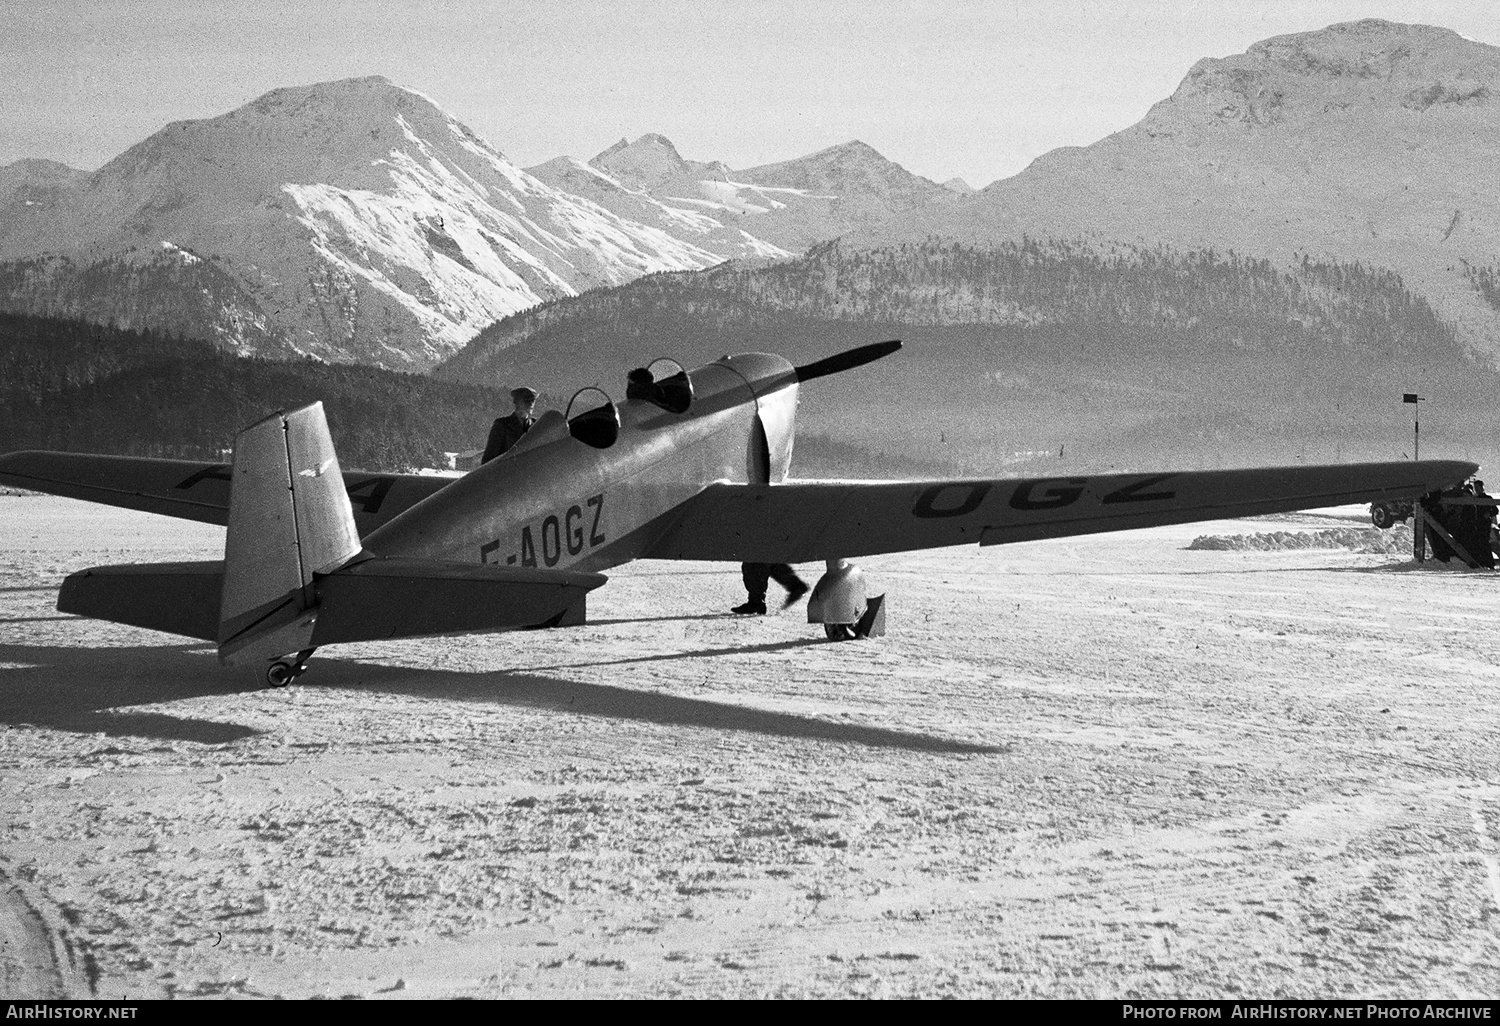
[178,598]
[801,521]
[192,489]
[370,600]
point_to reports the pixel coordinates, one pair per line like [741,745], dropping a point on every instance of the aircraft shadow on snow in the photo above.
[76,689]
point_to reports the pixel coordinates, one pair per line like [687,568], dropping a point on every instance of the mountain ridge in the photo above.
[1365,141]
[787,205]
[356,220]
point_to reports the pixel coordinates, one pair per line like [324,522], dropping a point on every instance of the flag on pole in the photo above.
[1409,397]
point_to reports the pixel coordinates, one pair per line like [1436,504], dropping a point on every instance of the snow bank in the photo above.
[1357,539]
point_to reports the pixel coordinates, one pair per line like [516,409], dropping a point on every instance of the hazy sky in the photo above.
[970,88]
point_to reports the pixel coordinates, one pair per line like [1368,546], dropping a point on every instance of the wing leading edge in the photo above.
[191,490]
[799,522]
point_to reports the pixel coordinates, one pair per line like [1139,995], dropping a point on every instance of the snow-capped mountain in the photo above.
[356,221]
[697,223]
[1367,141]
[351,220]
[844,189]
[772,210]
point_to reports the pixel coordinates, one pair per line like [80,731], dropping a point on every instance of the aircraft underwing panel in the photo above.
[809,520]
[378,599]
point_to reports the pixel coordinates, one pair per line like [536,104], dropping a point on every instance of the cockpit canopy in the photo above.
[598,422]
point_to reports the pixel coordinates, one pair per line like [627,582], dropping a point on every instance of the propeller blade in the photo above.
[847,360]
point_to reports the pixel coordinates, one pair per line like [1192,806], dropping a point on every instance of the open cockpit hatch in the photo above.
[593,418]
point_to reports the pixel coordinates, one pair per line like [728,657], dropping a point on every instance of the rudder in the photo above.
[289,518]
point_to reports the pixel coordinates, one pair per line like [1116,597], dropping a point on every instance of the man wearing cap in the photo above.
[507,431]
[640,384]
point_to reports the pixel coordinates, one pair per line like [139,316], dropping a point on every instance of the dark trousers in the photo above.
[756,575]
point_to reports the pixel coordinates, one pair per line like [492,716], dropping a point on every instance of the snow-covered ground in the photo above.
[1101,767]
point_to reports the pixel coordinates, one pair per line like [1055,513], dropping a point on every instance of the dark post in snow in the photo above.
[1418,524]
[1416,445]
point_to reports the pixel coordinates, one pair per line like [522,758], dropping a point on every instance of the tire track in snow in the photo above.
[1487,849]
[35,958]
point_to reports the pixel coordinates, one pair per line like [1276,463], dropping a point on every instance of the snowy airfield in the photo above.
[1098,767]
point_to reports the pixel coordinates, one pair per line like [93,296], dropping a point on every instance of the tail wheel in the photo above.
[280,673]
[839,631]
[1381,516]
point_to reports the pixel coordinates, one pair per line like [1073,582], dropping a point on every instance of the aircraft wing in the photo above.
[801,521]
[191,490]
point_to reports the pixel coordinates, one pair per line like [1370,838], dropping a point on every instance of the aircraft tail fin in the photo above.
[295,577]
[289,518]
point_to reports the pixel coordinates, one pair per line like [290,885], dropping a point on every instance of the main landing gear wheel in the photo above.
[839,631]
[1381,517]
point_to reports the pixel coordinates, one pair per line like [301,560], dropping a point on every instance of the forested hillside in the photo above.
[1117,356]
[75,386]
[169,289]
[1187,303]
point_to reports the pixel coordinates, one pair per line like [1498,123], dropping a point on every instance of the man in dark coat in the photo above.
[507,430]
[1473,530]
[756,577]
[1432,503]
[1487,552]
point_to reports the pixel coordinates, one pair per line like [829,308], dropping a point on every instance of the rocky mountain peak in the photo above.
[31,181]
[1368,49]
[338,132]
[644,164]
[36,167]
[1366,66]
[351,104]
[848,169]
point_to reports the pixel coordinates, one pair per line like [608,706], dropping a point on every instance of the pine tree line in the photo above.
[1486,281]
[75,386]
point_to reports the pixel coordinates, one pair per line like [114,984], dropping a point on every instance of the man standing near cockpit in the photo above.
[508,430]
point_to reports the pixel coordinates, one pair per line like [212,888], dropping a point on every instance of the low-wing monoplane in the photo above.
[695,467]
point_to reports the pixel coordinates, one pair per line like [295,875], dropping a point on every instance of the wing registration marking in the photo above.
[958,498]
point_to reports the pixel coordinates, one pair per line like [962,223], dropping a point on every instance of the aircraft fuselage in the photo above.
[555,501]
